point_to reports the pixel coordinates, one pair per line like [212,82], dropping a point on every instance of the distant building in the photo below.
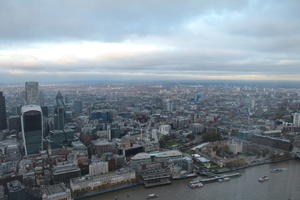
[77,106]
[132,150]
[169,105]
[105,116]
[3,120]
[59,117]
[164,129]
[32,95]
[14,123]
[163,156]
[60,138]
[296,119]
[197,128]
[56,192]
[272,142]
[103,146]
[32,128]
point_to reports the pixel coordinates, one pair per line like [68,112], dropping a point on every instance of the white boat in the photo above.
[196,185]
[263,179]
[152,196]
[226,179]
[276,170]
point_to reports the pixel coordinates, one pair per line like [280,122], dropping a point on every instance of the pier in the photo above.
[216,178]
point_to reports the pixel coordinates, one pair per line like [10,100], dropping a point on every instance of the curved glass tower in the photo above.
[32,129]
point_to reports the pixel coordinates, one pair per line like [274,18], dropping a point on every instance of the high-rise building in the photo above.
[296,119]
[14,123]
[77,106]
[59,112]
[32,95]
[3,121]
[32,128]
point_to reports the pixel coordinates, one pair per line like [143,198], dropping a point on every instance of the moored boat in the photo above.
[152,196]
[226,179]
[276,170]
[196,185]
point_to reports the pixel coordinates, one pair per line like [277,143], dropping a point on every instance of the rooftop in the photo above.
[52,190]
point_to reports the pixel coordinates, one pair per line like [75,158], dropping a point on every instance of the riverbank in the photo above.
[175,180]
[282,185]
[226,170]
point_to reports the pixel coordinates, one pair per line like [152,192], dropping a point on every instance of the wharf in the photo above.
[216,178]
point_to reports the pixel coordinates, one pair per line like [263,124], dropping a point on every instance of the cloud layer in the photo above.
[138,39]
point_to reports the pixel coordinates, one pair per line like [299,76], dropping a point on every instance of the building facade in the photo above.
[32,95]
[296,119]
[56,192]
[60,112]
[98,168]
[3,121]
[32,129]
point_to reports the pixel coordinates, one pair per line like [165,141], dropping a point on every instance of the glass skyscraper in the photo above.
[3,121]
[32,129]
[32,95]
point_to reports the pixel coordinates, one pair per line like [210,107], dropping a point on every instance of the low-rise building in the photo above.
[62,173]
[83,186]
[56,192]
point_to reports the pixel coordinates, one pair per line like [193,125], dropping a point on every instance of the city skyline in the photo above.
[111,141]
[58,41]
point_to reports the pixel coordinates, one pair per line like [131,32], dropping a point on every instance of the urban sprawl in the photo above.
[71,141]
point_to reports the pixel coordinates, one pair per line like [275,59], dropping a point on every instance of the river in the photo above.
[281,186]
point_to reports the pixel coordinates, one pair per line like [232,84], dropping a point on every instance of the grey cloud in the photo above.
[244,37]
[99,19]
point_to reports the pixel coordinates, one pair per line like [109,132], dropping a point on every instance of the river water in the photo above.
[281,186]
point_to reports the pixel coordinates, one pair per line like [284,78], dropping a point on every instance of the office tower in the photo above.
[14,123]
[32,128]
[32,95]
[3,121]
[296,119]
[45,119]
[59,112]
[77,106]
[169,105]
[105,115]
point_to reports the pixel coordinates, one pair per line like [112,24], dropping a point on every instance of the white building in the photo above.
[98,168]
[164,129]
[235,146]
[296,119]
[90,183]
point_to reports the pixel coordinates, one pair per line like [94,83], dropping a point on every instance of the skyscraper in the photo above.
[77,106]
[3,121]
[32,95]
[59,112]
[32,129]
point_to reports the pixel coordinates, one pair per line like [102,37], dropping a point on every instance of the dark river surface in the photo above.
[281,186]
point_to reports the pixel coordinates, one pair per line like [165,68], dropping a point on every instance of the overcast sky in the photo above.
[66,40]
